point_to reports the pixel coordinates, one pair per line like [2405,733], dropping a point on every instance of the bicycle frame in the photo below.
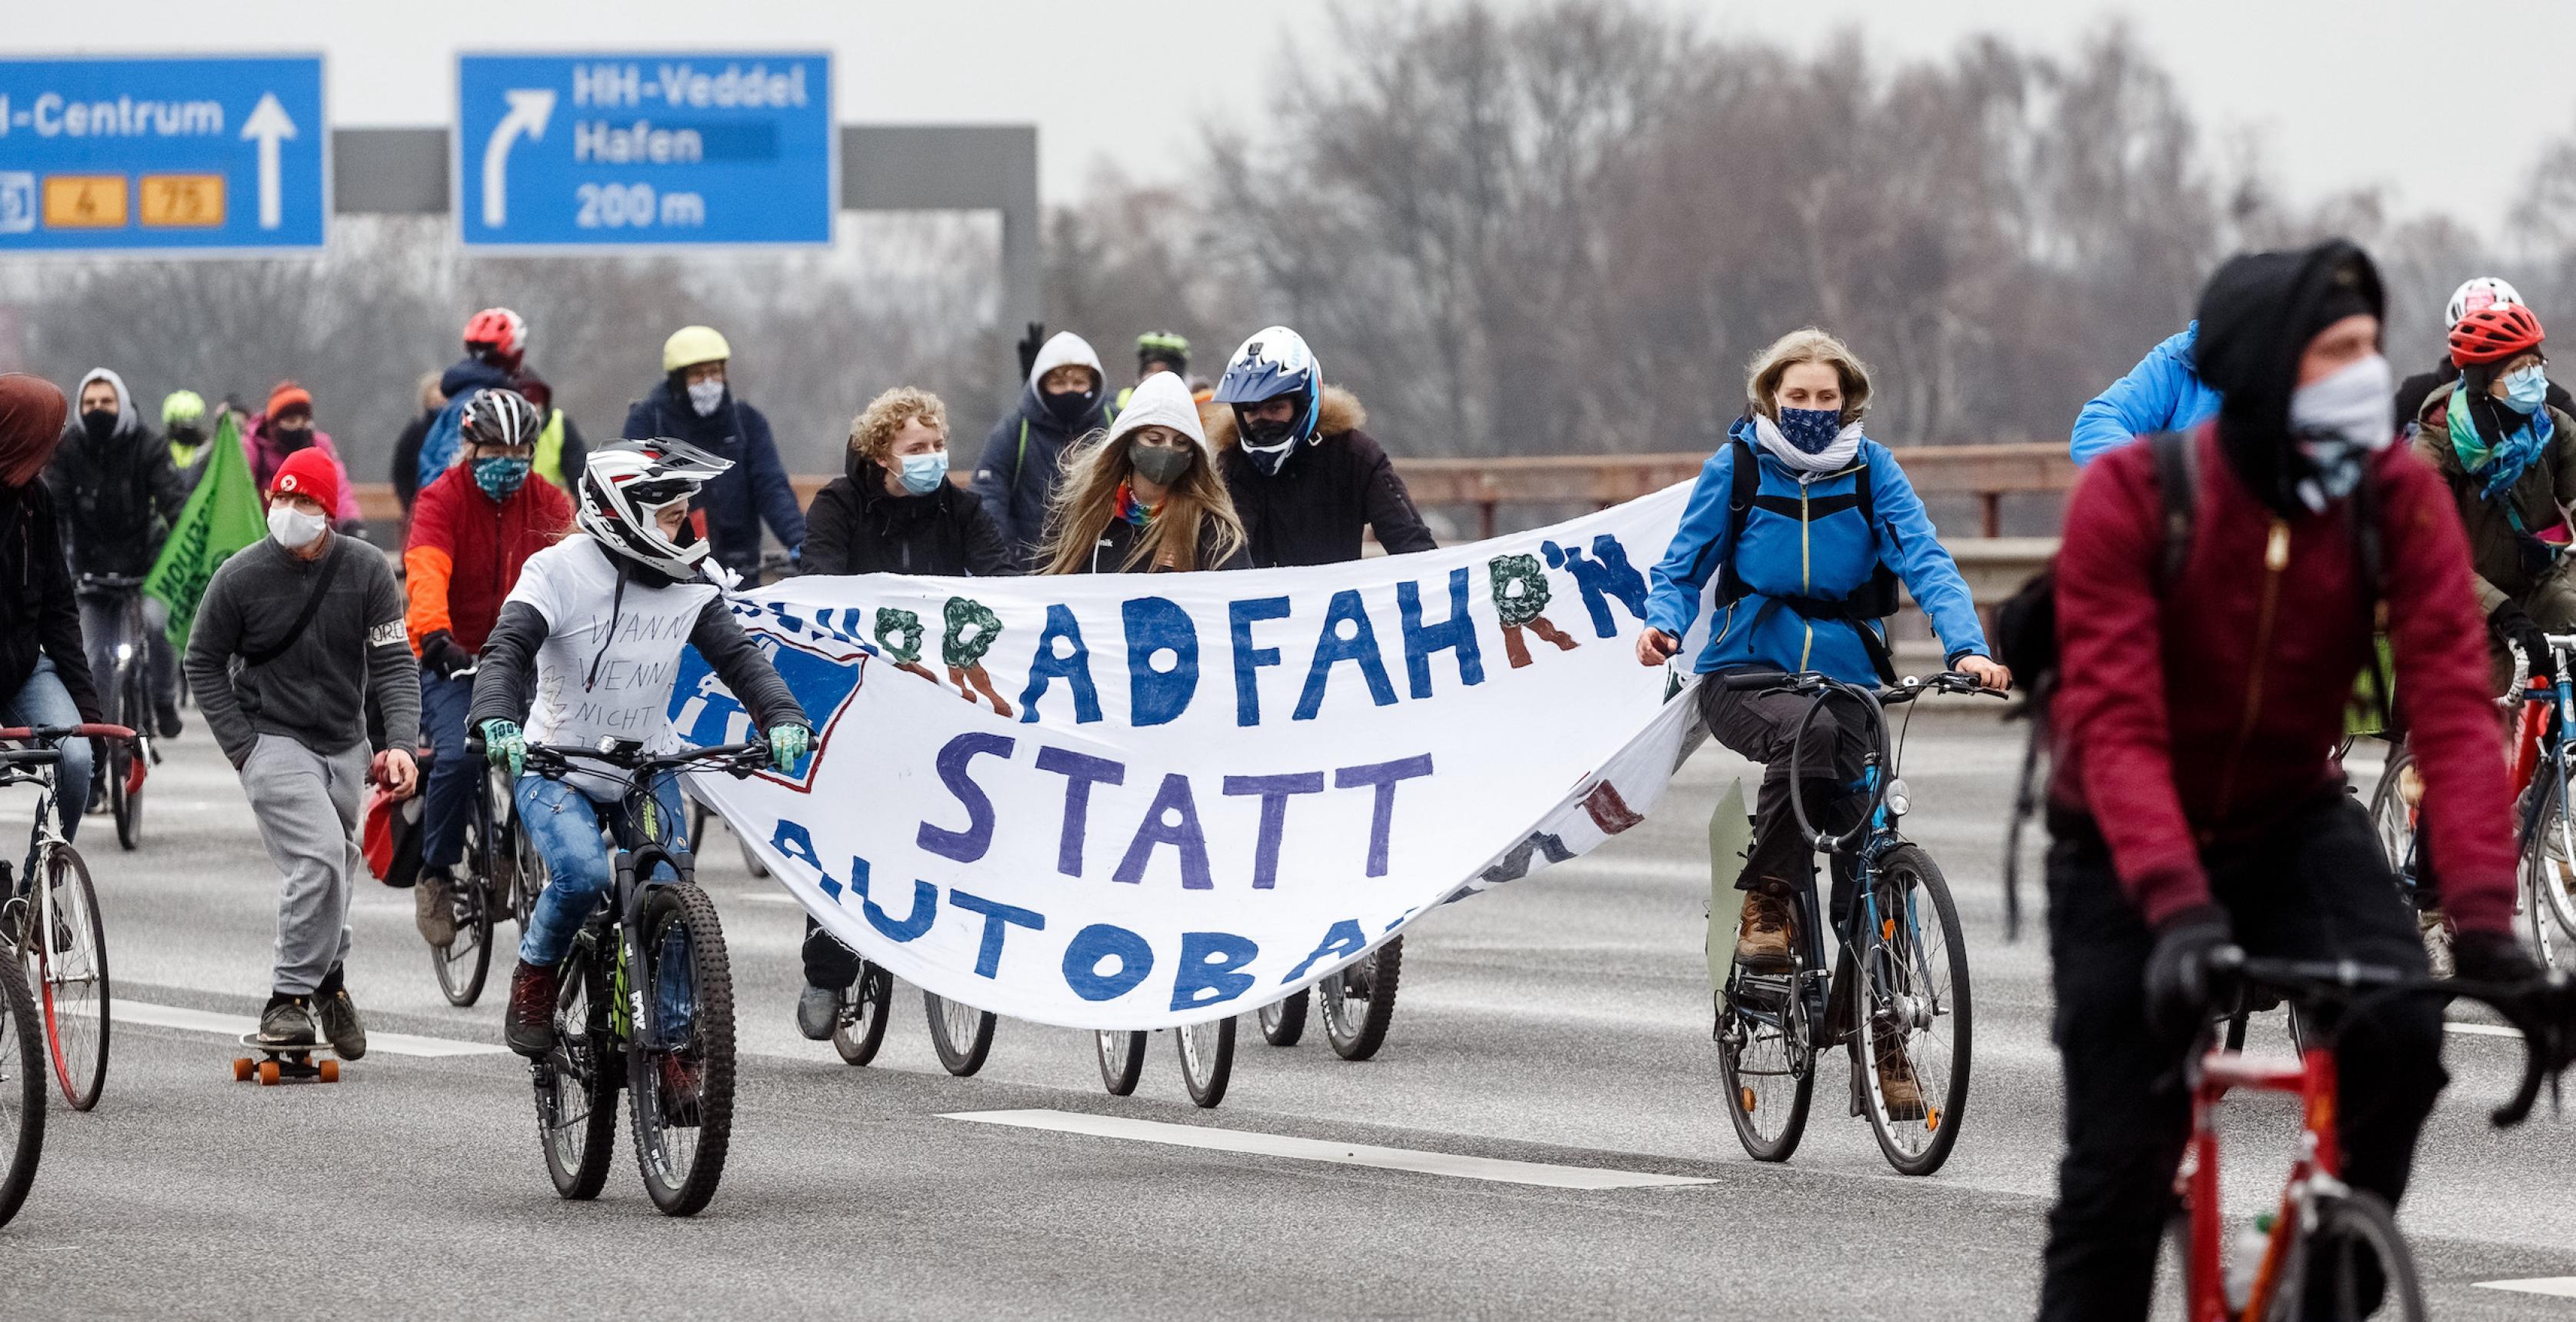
[2315,1170]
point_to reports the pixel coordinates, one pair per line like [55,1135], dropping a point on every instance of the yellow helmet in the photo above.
[692,345]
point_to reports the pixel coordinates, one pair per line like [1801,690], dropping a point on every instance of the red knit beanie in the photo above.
[309,472]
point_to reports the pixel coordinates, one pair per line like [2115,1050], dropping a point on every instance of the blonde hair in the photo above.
[1807,345]
[872,432]
[1086,499]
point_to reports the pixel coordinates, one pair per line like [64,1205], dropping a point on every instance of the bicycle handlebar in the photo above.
[1906,689]
[2544,1011]
[109,582]
[86,730]
[554,761]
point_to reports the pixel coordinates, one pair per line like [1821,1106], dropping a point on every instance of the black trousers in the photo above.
[2316,888]
[828,963]
[1763,727]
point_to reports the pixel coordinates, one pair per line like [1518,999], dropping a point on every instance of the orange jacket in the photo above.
[465,551]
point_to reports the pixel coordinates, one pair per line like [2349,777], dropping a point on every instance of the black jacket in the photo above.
[117,498]
[2414,390]
[1017,473]
[406,472]
[752,492]
[38,615]
[1109,554]
[855,526]
[1313,510]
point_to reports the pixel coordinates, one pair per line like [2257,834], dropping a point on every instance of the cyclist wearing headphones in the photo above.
[471,531]
[597,623]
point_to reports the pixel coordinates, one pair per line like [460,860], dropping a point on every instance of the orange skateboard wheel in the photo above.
[330,1071]
[267,1073]
[241,1069]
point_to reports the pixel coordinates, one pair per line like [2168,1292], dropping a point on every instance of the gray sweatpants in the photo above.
[307,806]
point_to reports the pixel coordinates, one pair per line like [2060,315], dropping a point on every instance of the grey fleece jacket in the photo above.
[316,692]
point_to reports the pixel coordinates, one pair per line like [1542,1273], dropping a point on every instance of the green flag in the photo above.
[222,516]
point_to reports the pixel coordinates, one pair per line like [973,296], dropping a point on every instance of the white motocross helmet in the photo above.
[2484,291]
[623,486]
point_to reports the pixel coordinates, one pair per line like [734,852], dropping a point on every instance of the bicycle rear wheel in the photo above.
[1207,1059]
[2358,1263]
[1122,1060]
[2549,871]
[1766,1054]
[960,1033]
[860,1027]
[681,1084]
[71,976]
[576,1090]
[22,1091]
[1358,1003]
[1283,1021]
[1917,1029]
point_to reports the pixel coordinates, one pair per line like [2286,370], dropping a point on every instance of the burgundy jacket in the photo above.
[2205,713]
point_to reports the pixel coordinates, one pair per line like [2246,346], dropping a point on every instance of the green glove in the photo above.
[787,743]
[503,743]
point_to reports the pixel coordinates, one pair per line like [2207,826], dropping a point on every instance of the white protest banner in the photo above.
[1134,801]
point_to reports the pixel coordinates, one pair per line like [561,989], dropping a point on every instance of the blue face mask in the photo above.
[1811,430]
[2526,389]
[500,478]
[921,474]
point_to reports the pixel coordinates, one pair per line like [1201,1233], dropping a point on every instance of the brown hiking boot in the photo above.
[1896,1085]
[1763,940]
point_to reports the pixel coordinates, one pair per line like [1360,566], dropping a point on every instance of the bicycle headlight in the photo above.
[125,651]
[1898,802]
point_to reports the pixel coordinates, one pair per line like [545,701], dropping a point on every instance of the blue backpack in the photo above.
[445,437]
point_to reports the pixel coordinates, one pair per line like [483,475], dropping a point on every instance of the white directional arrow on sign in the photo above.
[268,125]
[530,108]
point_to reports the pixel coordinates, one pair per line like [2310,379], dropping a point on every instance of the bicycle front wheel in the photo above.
[1207,1059]
[960,1033]
[466,960]
[1916,1031]
[2358,1265]
[2549,871]
[1284,1021]
[1122,1060]
[576,1089]
[22,1091]
[70,966]
[1358,1003]
[125,793]
[680,1077]
[860,1026]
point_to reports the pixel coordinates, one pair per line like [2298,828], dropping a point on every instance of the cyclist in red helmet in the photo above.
[2510,459]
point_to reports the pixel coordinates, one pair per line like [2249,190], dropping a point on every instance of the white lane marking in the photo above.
[2482,1030]
[234,1026]
[765,897]
[1309,1149]
[2556,1287]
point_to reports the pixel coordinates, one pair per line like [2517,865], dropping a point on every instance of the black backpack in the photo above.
[1875,600]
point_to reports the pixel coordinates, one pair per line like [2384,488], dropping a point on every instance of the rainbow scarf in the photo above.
[1133,510]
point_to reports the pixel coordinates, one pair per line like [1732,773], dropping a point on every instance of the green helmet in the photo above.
[182,406]
[1163,346]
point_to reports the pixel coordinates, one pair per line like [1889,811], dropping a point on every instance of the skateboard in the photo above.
[285,1064]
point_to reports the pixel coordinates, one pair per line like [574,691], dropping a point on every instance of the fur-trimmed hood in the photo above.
[1341,412]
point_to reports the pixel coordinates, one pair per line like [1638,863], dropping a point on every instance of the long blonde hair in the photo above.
[1086,499]
[1807,345]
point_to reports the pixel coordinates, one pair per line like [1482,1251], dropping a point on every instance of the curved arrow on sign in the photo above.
[530,108]
[269,125]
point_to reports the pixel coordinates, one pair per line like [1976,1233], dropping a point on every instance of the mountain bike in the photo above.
[2323,1235]
[61,943]
[501,876]
[22,1090]
[1897,995]
[658,933]
[126,694]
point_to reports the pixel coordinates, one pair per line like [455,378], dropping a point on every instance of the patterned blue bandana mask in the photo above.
[1811,430]
[500,478]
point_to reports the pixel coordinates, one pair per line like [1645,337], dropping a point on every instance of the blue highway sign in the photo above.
[679,148]
[175,153]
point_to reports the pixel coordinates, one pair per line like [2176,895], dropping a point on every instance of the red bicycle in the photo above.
[2325,1234]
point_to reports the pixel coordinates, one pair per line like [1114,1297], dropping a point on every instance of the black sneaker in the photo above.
[341,1026]
[530,1026]
[168,719]
[286,1023]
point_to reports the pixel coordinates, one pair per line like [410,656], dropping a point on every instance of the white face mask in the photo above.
[2338,423]
[705,395]
[293,528]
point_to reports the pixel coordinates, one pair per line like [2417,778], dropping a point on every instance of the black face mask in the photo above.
[294,438]
[1069,408]
[187,436]
[99,423]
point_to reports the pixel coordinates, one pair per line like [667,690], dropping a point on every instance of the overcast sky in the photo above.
[2338,93]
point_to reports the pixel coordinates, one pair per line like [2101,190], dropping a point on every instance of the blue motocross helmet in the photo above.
[1273,363]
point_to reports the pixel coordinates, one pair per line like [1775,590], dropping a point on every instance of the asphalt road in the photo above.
[1562,1021]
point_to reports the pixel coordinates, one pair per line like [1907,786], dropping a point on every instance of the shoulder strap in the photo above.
[2369,553]
[1744,481]
[1021,465]
[2179,495]
[1865,495]
[312,605]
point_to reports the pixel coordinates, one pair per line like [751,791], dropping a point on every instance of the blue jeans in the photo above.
[564,824]
[449,800]
[43,700]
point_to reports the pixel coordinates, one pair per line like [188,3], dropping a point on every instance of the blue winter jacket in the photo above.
[752,492]
[1806,539]
[2163,392]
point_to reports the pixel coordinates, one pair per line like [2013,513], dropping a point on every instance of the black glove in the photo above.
[2493,957]
[440,653]
[2510,623]
[1029,346]
[2178,991]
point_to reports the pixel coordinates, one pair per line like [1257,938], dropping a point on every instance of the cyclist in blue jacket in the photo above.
[2163,392]
[1806,553]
